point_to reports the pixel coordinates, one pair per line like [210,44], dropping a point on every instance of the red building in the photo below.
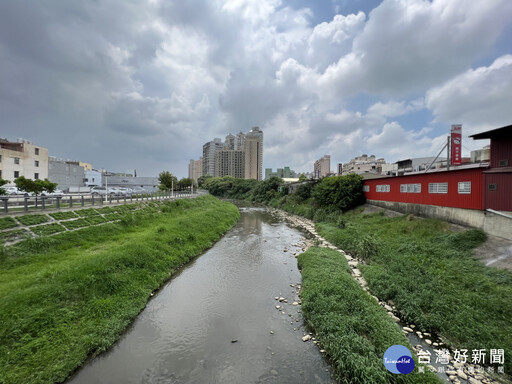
[472,186]
[498,178]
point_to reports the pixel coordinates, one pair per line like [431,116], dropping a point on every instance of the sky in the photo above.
[142,85]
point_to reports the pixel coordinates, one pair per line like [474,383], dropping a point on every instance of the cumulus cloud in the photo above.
[160,78]
[479,98]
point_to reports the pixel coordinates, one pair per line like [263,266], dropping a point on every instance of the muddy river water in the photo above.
[216,321]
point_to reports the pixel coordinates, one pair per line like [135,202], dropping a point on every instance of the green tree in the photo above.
[2,182]
[302,177]
[167,181]
[202,180]
[35,186]
[339,192]
[184,183]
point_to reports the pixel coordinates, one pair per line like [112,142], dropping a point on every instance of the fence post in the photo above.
[70,201]
[26,204]
[92,199]
[43,203]
[5,200]
[125,199]
[58,201]
[82,200]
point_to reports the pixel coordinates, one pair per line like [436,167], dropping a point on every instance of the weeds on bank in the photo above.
[71,295]
[431,276]
[350,325]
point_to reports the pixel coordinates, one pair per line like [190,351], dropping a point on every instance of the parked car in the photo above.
[101,191]
[11,190]
[57,192]
[14,191]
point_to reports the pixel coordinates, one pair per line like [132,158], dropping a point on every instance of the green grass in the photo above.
[351,326]
[47,229]
[63,215]
[7,222]
[32,219]
[14,235]
[74,224]
[87,212]
[70,296]
[431,276]
[93,220]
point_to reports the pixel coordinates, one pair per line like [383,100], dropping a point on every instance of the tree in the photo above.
[184,183]
[339,192]
[2,182]
[202,179]
[302,177]
[167,180]
[35,186]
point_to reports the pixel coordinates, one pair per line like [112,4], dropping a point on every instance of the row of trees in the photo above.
[170,182]
[34,186]
[334,193]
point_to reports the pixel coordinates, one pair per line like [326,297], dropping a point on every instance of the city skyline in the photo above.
[139,86]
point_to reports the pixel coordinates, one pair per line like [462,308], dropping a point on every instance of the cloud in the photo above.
[143,85]
[478,98]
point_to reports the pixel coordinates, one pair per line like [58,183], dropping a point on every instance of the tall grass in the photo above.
[70,296]
[350,325]
[431,276]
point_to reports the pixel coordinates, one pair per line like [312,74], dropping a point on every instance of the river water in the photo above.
[216,321]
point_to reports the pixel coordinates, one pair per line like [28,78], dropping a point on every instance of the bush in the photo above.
[340,192]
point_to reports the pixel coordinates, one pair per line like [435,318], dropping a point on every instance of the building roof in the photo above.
[498,133]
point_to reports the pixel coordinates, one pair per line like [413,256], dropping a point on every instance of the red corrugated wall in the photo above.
[501,198]
[474,200]
[501,150]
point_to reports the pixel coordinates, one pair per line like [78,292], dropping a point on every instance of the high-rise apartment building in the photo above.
[322,166]
[209,150]
[195,169]
[229,162]
[254,154]
[22,158]
[239,156]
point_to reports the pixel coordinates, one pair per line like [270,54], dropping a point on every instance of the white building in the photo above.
[322,167]
[22,158]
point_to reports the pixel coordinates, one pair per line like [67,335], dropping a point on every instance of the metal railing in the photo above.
[15,204]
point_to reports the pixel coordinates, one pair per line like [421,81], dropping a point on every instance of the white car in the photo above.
[14,191]
[57,192]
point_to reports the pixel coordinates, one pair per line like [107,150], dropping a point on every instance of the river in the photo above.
[216,320]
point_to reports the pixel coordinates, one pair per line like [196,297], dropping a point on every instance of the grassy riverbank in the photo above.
[350,325]
[66,297]
[431,276]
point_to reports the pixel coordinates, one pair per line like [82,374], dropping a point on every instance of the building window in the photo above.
[438,188]
[0,173]
[366,188]
[36,176]
[16,174]
[16,160]
[465,187]
[36,150]
[410,188]
[492,187]
[36,163]
[503,163]
[382,188]
[0,158]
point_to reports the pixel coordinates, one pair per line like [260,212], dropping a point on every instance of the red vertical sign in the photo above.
[456,141]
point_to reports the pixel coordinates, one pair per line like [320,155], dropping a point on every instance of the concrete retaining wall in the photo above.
[491,223]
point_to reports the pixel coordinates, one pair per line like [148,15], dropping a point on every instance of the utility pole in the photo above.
[448,153]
